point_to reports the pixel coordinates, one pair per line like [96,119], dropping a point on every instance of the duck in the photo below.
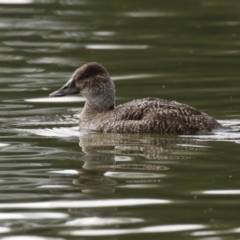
[147,115]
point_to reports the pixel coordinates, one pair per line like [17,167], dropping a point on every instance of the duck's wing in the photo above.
[154,108]
[150,115]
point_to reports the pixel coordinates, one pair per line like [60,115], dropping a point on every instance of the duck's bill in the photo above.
[68,89]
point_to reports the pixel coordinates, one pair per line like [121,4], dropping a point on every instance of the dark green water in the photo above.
[59,183]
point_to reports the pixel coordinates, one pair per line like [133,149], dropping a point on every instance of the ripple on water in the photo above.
[53,132]
[136,76]
[134,175]
[48,45]
[8,57]
[151,229]
[16,1]
[4,145]
[230,133]
[102,221]
[215,233]
[149,14]
[222,192]
[20,70]
[4,230]
[29,237]
[115,46]
[85,204]
[76,13]
[62,99]
[33,215]
[53,60]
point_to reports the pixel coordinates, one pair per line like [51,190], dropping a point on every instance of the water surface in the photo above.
[59,183]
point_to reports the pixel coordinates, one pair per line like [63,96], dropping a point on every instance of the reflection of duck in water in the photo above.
[149,146]
[100,150]
[109,155]
[148,115]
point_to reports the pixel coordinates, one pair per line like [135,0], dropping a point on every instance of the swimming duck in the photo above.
[147,115]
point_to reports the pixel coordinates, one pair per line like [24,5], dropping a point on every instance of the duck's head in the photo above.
[93,82]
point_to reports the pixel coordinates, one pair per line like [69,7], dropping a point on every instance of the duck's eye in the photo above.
[85,75]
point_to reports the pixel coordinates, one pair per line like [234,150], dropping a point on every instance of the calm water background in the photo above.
[59,183]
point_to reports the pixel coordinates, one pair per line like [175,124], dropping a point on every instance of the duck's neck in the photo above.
[101,103]
[100,98]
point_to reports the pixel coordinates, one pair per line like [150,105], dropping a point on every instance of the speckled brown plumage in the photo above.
[148,115]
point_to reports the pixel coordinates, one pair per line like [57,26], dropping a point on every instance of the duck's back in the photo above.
[153,115]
